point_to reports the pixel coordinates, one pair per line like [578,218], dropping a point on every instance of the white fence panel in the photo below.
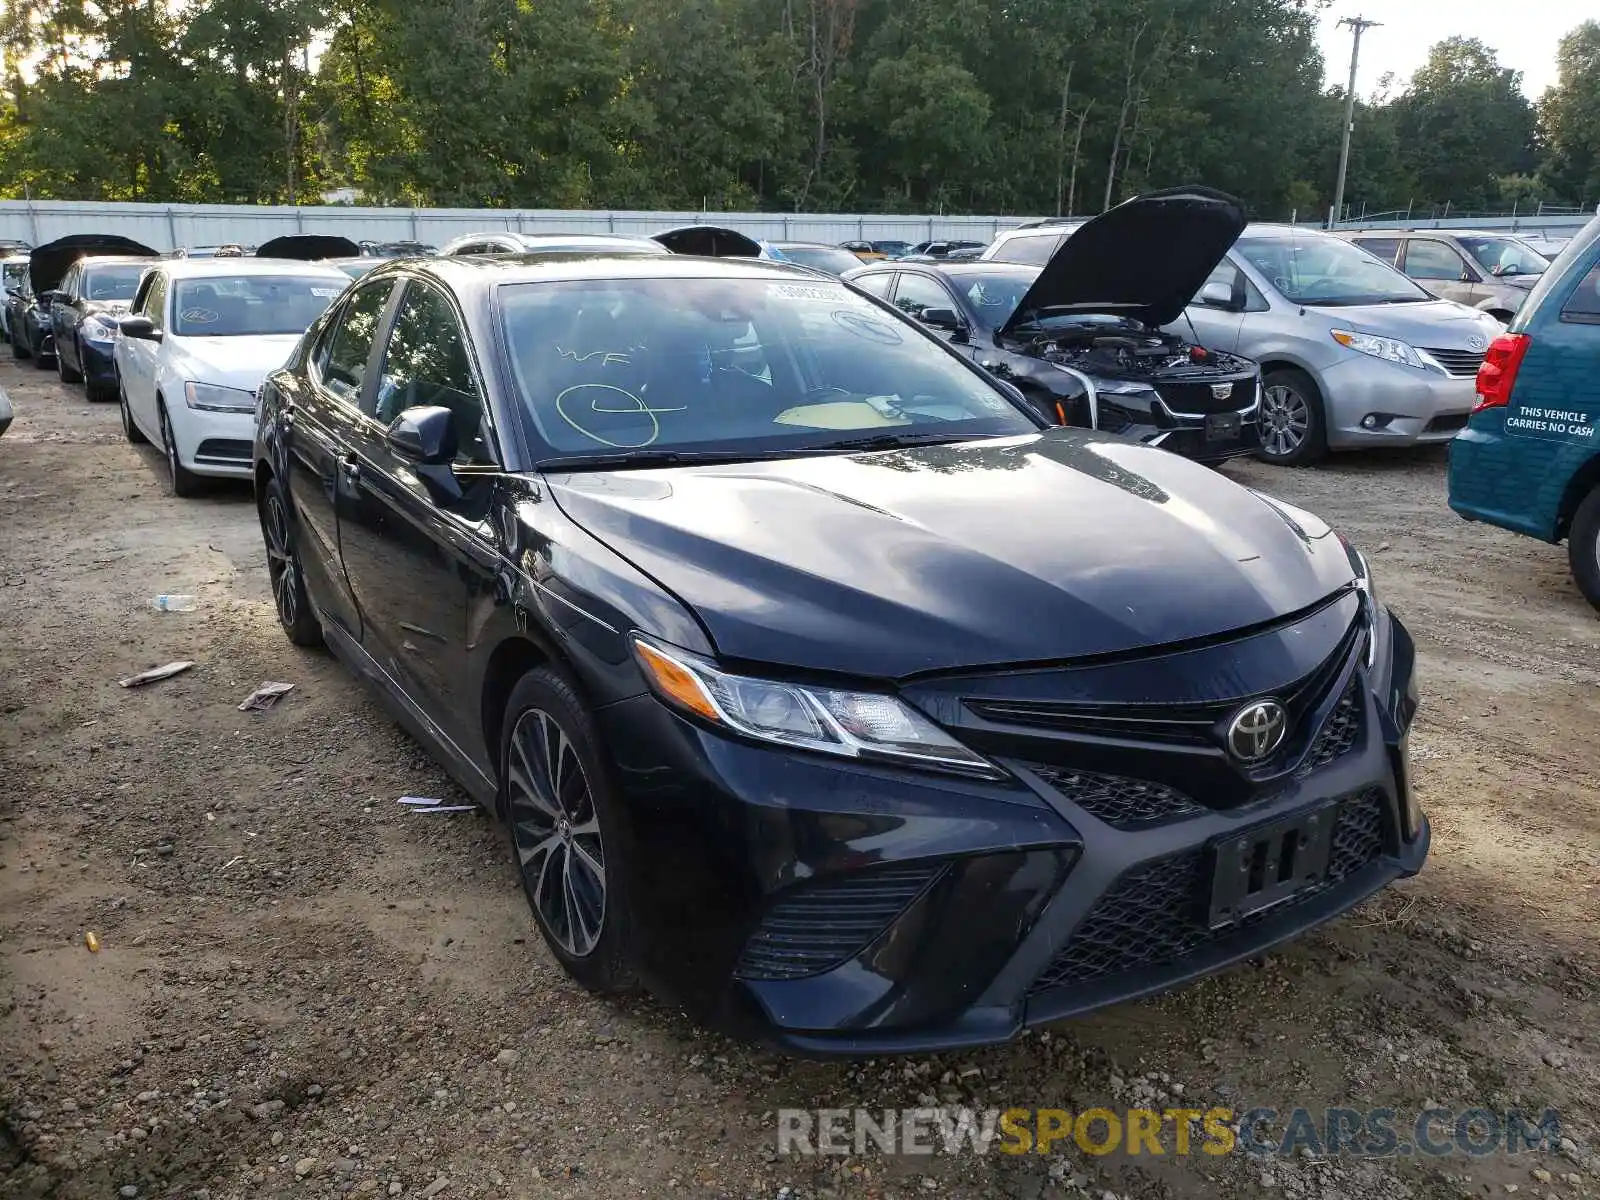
[167,227]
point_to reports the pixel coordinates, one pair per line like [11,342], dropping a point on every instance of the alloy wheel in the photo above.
[282,567]
[170,445]
[1285,418]
[556,831]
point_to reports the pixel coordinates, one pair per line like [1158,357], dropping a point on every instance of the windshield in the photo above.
[733,366]
[1505,256]
[823,258]
[1312,268]
[238,305]
[112,282]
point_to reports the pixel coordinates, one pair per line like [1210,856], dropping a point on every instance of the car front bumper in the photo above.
[842,909]
[214,443]
[1411,406]
[99,367]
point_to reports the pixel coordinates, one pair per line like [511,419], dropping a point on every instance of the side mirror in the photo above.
[1217,295]
[941,318]
[139,327]
[425,435]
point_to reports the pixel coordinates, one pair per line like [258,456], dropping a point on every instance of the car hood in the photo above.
[308,247]
[48,263]
[1146,258]
[1036,549]
[1437,324]
[241,362]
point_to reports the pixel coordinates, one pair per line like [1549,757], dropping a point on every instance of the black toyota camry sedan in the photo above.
[818,684]
[1082,336]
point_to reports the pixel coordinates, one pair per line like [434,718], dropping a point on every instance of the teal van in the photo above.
[1529,458]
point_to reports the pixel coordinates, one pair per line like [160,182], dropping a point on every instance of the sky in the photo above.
[1524,32]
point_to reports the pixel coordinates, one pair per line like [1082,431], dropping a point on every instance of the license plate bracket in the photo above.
[1223,427]
[1256,869]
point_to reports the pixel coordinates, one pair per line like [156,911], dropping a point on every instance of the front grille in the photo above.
[1338,733]
[1456,362]
[1118,801]
[816,926]
[224,449]
[1153,916]
[1196,398]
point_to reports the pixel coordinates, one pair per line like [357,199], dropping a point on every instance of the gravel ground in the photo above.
[302,989]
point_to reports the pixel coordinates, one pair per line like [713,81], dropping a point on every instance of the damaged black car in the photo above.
[1082,338]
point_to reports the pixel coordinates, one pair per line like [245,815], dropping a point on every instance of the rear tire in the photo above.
[1583,547]
[1293,421]
[289,597]
[69,374]
[40,361]
[567,835]
[185,483]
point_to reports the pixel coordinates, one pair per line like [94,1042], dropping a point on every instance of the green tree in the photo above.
[1569,116]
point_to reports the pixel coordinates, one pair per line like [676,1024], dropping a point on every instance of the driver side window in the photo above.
[426,363]
[917,294]
[341,360]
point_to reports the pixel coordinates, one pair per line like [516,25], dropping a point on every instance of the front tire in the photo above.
[566,830]
[69,374]
[1293,420]
[18,350]
[289,597]
[1583,547]
[185,483]
[130,429]
[40,362]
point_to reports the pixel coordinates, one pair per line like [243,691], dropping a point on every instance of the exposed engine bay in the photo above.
[1129,351]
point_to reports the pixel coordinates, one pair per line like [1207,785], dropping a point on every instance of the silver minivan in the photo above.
[1352,352]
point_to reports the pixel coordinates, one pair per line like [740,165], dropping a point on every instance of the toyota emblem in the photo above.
[1257,730]
[1476,343]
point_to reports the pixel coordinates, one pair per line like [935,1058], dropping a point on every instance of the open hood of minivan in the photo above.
[48,263]
[709,241]
[308,247]
[1146,258]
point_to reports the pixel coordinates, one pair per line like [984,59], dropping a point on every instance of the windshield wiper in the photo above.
[653,458]
[894,441]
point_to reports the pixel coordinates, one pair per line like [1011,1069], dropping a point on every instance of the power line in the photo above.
[1358,25]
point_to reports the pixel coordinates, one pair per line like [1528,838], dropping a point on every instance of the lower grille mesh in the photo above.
[1151,917]
[1118,801]
[1338,734]
[816,926]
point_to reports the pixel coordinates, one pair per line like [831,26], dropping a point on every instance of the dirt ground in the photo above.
[302,989]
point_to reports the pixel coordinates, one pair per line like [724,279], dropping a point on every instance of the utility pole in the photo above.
[1358,25]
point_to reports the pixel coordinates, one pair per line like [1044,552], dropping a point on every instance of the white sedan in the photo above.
[201,335]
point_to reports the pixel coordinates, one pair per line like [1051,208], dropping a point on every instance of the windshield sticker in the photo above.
[864,325]
[199,316]
[1550,424]
[795,291]
[326,293]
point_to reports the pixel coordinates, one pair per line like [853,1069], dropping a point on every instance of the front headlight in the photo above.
[1389,349]
[860,725]
[209,397]
[1368,588]
[98,329]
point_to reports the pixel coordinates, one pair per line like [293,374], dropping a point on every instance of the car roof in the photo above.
[466,271]
[534,240]
[201,268]
[956,270]
[103,259]
[805,245]
[1268,230]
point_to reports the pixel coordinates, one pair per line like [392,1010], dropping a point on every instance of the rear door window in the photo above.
[877,285]
[916,294]
[1428,259]
[1583,306]
[1032,249]
[1387,249]
[342,358]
